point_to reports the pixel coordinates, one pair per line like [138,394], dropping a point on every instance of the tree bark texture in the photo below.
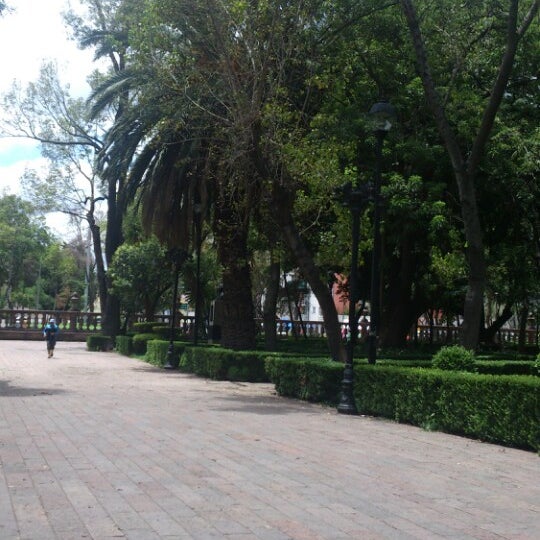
[270,303]
[400,308]
[238,329]
[113,240]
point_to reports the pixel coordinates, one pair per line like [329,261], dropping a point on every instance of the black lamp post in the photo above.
[178,257]
[382,116]
[197,210]
[355,199]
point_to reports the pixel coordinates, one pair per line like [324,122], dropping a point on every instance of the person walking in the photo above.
[49,333]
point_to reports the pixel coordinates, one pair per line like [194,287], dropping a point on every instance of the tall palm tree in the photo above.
[173,161]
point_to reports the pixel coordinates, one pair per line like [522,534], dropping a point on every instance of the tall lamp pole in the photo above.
[178,256]
[382,115]
[355,199]
[197,210]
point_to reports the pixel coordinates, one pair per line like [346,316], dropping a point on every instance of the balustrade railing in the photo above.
[34,319]
[85,322]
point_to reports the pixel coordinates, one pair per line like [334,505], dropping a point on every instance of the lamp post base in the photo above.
[171,360]
[347,404]
[372,348]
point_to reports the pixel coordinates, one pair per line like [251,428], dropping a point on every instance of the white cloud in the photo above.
[35,32]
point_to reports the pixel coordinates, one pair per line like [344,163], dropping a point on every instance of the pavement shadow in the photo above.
[269,406]
[7,390]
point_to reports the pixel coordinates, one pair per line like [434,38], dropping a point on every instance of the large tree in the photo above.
[45,112]
[475,26]
[25,249]
[201,110]
[140,274]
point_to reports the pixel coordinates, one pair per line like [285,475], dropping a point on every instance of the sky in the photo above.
[35,32]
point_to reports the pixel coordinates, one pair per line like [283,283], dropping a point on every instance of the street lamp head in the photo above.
[382,115]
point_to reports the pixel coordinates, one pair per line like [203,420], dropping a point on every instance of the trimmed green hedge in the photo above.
[148,326]
[124,345]
[513,367]
[98,342]
[310,379]
[156,351]
[140,341]
[224,364]
[501,409]
[164,332]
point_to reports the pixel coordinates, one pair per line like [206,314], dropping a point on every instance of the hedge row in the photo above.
[502,409]
[124,345]
[98,342]
[139,344]
[147,327]
[224,364]
[310,379]
[514,367]
[157,350]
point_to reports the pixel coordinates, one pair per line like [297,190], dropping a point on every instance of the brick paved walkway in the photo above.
[96,445]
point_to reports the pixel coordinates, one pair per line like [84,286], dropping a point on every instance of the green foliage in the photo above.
[140,341]
[309,379]
[224,364]
[148,326]
[497,367]
[454,358]
[157,350]
[164,332]
[502,409]
[99,343]
[124,345]
[140,274]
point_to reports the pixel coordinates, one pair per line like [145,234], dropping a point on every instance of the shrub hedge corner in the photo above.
[140,341]
[98,342]
[317,380]
[157,350]
[124,345]
[224,364]
[146,327]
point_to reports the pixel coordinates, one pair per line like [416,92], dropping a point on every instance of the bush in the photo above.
[224,364]
[98,342]
[454,358]
[310,379]
[124,345]
[157,350]
[139,343]
[497,367]
[164,332]
[147,326]
[502,409]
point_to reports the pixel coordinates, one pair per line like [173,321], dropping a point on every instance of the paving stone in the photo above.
[99,446]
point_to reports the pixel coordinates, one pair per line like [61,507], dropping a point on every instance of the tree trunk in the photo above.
[466,170]
[488,335]
[283,204]
[238,329]
[98,254]
[270,303]
[522,336]
[474,297]
[399,306]
[113,240]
